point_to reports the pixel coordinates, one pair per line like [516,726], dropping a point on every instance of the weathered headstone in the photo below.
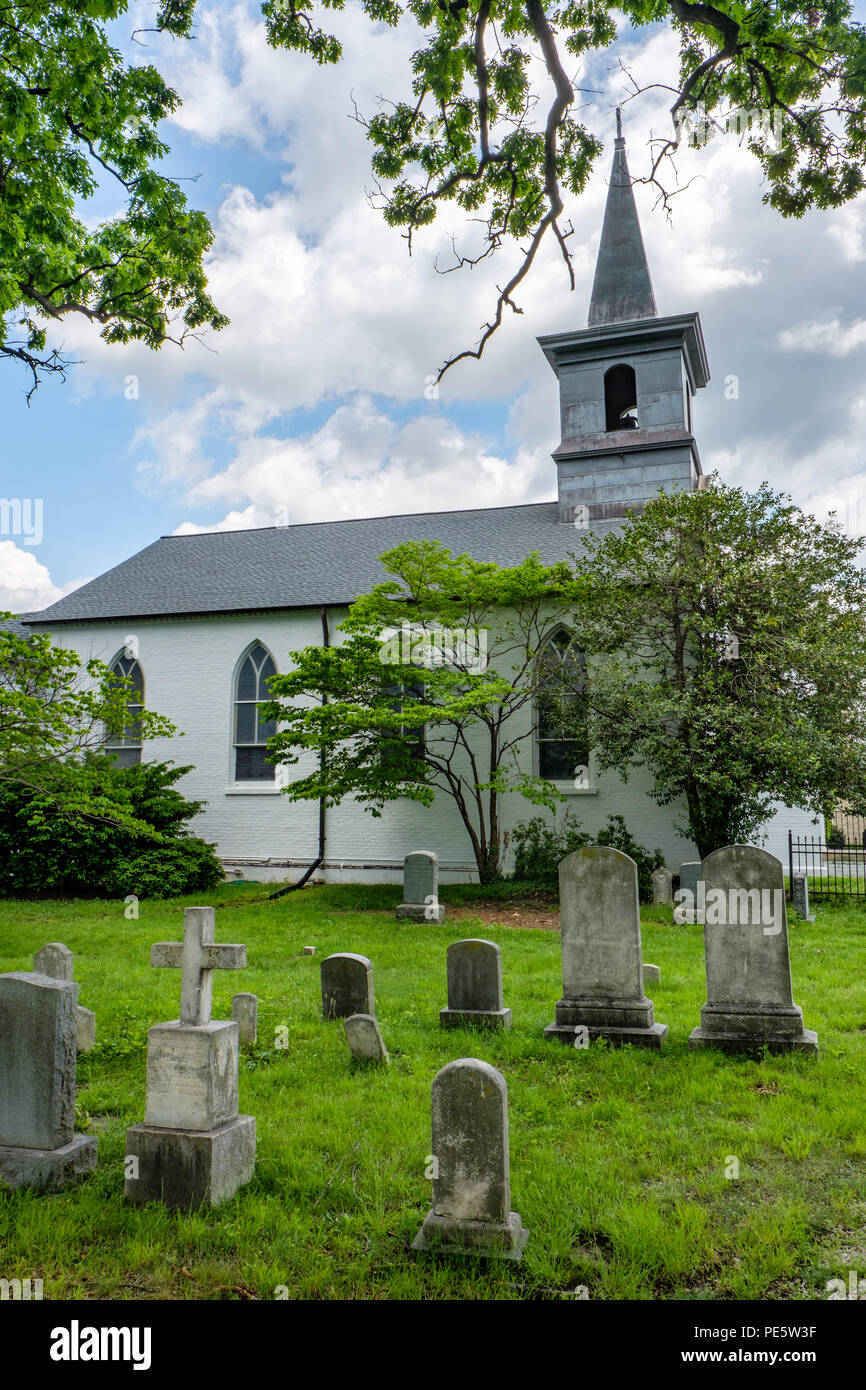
[421,888]
[688,909]
[800,892]
[347,985]
[57,960]
[364,1037]
[38,1047]
[662,881]
[602,973]
[471,1212]
[749,1000]
[245,1012]
[474,986]
[193,1146]
[651,973]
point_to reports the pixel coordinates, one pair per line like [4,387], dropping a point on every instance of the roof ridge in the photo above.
[355,520]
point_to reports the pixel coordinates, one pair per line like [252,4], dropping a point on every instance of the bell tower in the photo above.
[626,381]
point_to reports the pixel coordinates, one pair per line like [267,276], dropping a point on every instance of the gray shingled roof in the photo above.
[13,625]
[329,562]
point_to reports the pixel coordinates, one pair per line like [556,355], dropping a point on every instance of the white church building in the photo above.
[200,621]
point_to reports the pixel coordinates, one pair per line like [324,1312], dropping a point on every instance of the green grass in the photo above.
[618,1156]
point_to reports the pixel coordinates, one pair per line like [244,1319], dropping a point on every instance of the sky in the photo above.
[317,402]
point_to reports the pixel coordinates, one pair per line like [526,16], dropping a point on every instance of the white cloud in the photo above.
[848,230]
[827,336]
[25,583]
[362,463]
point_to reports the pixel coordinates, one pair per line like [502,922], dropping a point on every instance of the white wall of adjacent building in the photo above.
[189,667]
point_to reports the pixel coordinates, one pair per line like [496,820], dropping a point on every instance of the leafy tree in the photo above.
[488,119]
[53,709]
[726,642]
[136,843]
[72,112]
[406,706]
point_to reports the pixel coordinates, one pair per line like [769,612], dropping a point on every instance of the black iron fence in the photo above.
[836,868]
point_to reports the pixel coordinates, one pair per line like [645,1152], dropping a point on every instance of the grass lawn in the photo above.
[618,1158]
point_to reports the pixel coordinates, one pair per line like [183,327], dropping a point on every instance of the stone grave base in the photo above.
[483,1238]
[652,1037]
[474,1018]
[621,1021]
[420,912]
[48,1170]
[742,1030]
[184,1167]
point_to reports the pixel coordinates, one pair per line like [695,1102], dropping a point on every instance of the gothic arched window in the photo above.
[563,742]
[126,746]
[620,398]
[251,731]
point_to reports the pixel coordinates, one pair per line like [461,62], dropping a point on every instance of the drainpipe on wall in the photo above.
[291,887]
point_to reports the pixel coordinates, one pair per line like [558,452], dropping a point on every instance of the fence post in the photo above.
[791,864]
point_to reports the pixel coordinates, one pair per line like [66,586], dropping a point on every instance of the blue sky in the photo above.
[315,401]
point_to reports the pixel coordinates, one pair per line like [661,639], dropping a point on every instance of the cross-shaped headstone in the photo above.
[196,957]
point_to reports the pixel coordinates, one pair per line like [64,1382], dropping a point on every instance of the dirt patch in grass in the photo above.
[530,915]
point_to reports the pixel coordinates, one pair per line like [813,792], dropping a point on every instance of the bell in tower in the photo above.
[626,381]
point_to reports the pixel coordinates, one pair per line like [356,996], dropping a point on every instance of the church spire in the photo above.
[622,289]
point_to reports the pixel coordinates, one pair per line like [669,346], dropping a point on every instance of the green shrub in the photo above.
[539,847]
[836,838]
[49,847]
[616,835]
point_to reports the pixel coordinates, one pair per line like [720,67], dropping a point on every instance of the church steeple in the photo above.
[627,381]
[622,289]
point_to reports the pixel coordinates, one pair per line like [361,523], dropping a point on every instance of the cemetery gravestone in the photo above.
[690,875]
[651,973]
[602,972]
[57,960]
[474,986]
[364,1037]
[800,893]
[749,1000]
[347,985]
[471,1212]
[38,1047]
[193,1146]
[245,1012]
[421,888]
[662,881]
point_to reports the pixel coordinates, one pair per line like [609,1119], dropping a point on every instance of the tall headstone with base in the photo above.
[471,1212]
[602,971]
[193,1147]
[57,960]
[800,893]
[347,985]
[749,1000]
[474,986]
[421,888]
[38,1047]
[662,881]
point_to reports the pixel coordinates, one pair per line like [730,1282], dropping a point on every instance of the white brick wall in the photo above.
[189,667]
